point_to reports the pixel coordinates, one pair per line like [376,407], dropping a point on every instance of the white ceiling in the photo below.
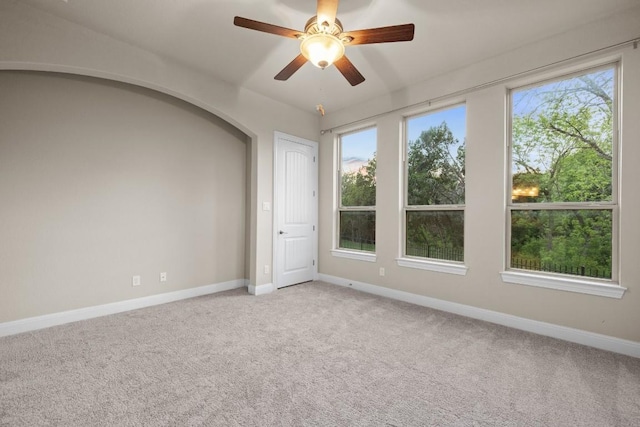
[450,34]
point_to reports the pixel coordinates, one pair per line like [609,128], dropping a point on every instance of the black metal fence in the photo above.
[358,244]
[526,264]
[457,254]
[438,252]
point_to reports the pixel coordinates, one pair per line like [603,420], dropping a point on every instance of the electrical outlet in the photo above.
[266,269]
[163,277]
[135,281]
[382,271]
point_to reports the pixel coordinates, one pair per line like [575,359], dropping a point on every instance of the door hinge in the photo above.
[314,159]
[314,228]
[314,193]
[314,262]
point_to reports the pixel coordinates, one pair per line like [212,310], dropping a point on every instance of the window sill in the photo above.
[357,255]
[608,289]
[441,267]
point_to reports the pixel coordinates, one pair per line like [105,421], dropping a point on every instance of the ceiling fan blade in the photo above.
[326,11]
[293,66]
[394,33]
[349,71]
[266,28]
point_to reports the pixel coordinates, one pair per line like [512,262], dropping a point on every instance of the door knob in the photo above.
[282,232]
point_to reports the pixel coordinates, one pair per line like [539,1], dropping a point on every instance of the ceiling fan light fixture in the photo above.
[322,49]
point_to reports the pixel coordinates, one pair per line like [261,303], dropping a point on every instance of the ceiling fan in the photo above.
[323,40]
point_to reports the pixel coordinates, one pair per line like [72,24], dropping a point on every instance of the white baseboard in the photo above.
[47,320]
[266,288]
[591,339]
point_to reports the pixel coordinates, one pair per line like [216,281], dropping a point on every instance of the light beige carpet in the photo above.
[313,354]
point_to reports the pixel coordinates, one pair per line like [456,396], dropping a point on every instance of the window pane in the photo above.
[574,242]
[358,230]
[358,166]
[562,138]
[435,158]
[436,234]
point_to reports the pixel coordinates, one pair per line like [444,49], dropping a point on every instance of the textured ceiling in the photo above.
[450,34]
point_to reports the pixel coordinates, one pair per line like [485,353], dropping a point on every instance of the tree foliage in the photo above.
[435,169]
[359,187]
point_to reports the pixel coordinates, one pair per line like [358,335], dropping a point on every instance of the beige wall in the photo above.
[485,192]
[100,181]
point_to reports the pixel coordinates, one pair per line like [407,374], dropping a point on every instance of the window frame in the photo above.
[337,251]
[561,281]
[417,262]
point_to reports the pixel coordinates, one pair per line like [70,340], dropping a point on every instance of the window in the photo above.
[563,205]
[434,179]
[357,192]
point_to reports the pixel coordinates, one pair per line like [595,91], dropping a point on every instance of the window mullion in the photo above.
[561,206]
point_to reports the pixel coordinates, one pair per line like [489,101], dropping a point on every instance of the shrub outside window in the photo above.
[435,185]
[357,193]
[563,204]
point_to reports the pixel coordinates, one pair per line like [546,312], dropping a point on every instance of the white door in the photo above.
[295,210]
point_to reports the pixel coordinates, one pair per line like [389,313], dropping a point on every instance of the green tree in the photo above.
[359,187]
[435,174]
[562,135]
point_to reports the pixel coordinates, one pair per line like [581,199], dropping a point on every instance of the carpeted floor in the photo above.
[312,354]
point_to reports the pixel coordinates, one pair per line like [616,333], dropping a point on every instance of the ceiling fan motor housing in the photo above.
[314,27]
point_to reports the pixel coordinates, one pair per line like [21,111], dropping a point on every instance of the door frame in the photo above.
[274,236]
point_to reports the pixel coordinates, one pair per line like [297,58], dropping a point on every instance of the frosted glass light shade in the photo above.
[322,49]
